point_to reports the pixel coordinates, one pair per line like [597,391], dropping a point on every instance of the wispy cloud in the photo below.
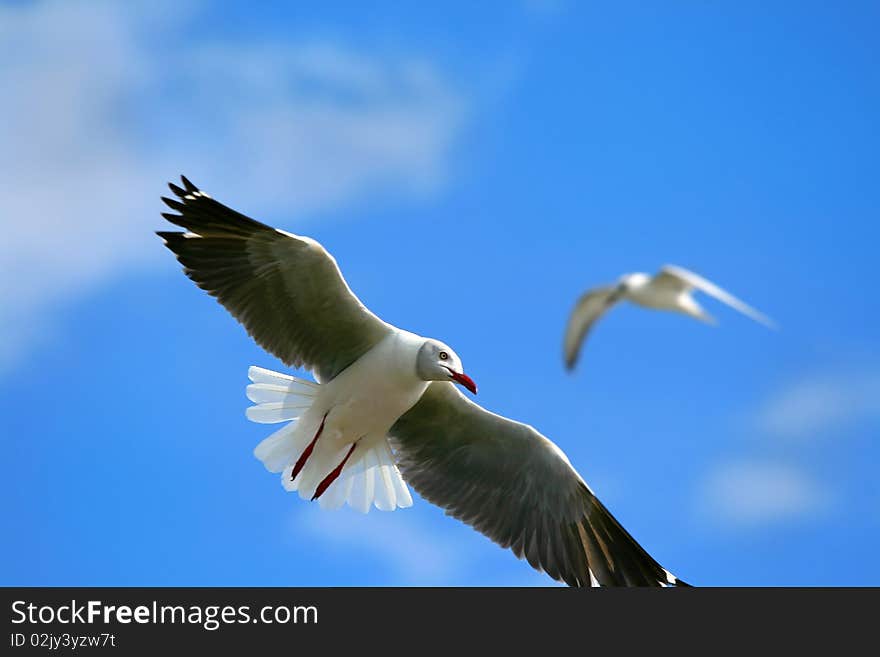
[821,405]
[108,100]
[412,554]
[774,485]
[747,494]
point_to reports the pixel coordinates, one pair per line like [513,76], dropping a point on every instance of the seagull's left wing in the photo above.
[285,289]
[678,276]
[515,486]
[589,309]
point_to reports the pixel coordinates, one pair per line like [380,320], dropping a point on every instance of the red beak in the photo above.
[464,380]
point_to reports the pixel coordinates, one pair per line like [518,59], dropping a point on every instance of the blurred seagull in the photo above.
[385,407]
[670,289]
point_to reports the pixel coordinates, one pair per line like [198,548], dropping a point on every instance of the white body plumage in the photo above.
[357,407]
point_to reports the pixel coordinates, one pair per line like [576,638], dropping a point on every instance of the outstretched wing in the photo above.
[589,308]
[685,279]
[515,486]
[286,290]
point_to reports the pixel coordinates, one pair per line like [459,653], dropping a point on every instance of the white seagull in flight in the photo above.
[386,410]
[671,289]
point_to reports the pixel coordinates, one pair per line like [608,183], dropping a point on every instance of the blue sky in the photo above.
[541,147]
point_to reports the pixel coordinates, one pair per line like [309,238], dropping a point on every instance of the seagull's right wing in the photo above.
[515,486]
[286,290]
[589,308]
[685,279]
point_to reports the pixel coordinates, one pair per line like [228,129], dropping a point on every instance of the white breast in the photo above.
[651,296]
[369,396]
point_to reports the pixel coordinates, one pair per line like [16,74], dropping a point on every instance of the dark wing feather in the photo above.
[286,290]
[515,486]
[590,308]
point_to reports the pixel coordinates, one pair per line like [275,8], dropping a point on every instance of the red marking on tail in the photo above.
[330,478]
[307,452]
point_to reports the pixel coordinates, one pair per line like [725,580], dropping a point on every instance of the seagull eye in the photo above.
[444,355]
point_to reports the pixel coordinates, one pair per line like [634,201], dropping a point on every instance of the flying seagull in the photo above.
[671,288]
[384,409]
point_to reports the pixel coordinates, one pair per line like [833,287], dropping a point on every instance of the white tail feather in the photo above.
[386,496]
[401,492]
[370,477]
[278,397]
[260,393]
[373,479]
[273,412]
[262,375]
[335,496]
[275,450]
[366,492]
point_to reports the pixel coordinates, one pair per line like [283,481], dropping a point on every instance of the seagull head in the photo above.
[437,362]
[632,281]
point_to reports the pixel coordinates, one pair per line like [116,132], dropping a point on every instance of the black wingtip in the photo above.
[190,188]
[177,190]
[173,204]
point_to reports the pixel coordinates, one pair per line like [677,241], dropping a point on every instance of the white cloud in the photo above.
[822,404]
[412,554]
[758,493]
[772,489]
[105,101]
